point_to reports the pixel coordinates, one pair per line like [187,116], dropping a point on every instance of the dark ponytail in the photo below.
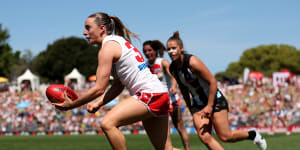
[113,25]
[175,37]
[157,46]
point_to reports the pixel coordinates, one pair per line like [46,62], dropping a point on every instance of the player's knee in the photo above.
[105,124]
[225,138]
[205,137]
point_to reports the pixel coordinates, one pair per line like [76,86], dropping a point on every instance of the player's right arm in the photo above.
[108,54]
[185,94]
[166,66]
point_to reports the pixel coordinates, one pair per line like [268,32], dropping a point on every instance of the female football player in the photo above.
[154,50]
[149,100]
[207,104]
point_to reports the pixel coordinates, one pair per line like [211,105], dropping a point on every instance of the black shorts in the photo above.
[219,104]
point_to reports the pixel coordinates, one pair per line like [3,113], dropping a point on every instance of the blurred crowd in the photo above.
[255,105]
[250,105]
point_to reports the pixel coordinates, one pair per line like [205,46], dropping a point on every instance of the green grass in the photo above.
[134,142]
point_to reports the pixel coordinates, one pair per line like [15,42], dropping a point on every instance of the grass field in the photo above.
[134,142]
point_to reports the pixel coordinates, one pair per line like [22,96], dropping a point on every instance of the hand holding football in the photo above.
[55,93]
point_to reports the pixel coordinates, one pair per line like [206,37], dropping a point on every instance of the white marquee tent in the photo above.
[75,75]
[28,75]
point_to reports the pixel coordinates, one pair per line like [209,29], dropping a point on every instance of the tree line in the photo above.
[51,64]
[60,57]
[265,59]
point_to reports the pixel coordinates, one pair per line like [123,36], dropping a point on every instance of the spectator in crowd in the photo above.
[279,113]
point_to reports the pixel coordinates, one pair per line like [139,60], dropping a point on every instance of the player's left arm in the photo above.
[116,88]
[198,67]
[166,66]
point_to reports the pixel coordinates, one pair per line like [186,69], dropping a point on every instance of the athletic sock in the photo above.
[252,135]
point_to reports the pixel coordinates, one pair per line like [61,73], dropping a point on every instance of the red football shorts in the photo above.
[157,103]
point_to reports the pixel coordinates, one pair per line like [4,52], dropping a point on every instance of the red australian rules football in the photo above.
[55,93]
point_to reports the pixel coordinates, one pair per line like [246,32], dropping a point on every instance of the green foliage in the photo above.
[62,56]
[265,59]
[7,56]
[27,57]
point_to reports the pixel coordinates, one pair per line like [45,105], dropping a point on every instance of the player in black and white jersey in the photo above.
[207,104]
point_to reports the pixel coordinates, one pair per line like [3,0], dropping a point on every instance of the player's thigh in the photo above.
[221,123]
[174,115]
[157,129]
[126,112]
[177,116]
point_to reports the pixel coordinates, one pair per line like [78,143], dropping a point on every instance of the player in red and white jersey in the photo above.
[154,51]
[149,100]
[131,69]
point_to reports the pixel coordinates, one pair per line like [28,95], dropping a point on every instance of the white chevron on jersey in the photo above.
[157,68]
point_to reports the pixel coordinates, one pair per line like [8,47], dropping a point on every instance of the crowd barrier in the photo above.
[190,130]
